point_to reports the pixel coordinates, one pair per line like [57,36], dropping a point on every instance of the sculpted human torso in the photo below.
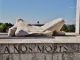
[22,28]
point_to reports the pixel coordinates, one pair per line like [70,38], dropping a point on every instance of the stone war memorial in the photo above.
[49,29]
[27,42]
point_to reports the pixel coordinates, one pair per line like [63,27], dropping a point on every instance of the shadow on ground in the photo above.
[5,36]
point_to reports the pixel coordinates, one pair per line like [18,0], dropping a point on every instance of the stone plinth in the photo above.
[40,51]
[40,48]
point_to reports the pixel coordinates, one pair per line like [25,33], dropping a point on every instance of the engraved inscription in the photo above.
[36,48]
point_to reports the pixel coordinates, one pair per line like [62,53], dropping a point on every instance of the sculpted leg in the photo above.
[57,31]
[54,26]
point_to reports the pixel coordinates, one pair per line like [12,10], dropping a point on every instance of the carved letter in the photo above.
[40,48]
[65,49]
[48,49]
[16,50]
[23,49]
[60,48]
[6,50]
[29,49]
[55,49]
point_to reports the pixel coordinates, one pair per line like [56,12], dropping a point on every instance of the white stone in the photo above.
[69,38]
[22,28]
[78,17]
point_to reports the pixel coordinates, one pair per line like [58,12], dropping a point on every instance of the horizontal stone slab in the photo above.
[41,40]
[68,38]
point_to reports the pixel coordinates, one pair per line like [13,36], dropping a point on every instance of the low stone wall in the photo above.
[40,51]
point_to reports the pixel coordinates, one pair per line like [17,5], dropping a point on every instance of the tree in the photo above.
[64,28]
[9,24]
[68,28]
[37,22]
[0,23]
[71,28]
[3,28]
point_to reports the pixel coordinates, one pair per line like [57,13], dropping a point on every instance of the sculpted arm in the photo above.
[12,30]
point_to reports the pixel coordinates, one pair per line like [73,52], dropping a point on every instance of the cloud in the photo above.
[70,21]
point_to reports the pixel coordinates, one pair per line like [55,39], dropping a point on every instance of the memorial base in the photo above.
[37,51]
[40,48]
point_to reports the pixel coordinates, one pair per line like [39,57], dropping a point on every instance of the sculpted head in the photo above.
[19,20]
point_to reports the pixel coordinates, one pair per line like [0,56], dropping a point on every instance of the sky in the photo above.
[32,11]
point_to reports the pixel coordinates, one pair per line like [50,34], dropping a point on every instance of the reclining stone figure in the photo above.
[22,28]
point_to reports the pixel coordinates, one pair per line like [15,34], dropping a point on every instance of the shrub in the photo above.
[3,28]
[68,28]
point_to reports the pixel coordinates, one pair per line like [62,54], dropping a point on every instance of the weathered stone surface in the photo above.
[78,17]
[10,57]
[53,39]
[48,57]
[27,56]
[1,56]
[57,56]
[40,56]
[71,56]
[40,51]
[49,29]
[39,48]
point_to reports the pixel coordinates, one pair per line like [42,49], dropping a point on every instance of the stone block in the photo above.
[40,56]
[57,56]
[49,57]
[10,57]
[27,56]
